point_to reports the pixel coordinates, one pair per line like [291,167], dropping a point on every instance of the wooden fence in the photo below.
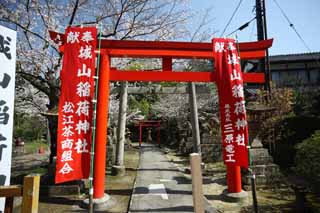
[29,192]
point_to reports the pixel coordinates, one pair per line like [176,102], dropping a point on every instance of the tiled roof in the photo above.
[296,57]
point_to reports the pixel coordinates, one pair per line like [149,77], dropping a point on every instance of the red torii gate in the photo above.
[142,124]
[167,51]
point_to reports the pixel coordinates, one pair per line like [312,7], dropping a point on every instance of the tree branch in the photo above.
[74,12]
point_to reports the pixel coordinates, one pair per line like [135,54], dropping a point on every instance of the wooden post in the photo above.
[30,195]
[9,205]
[9,192]
[194,118]
[196,175]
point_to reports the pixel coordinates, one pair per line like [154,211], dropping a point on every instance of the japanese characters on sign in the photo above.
[7,85]
[231,100]
[75,104]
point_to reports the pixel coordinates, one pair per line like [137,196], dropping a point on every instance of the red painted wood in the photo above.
[101,128]
[246,55]
[167,64]
[173,45]
[161,76]
[167,53]
[234,179]
[117,75]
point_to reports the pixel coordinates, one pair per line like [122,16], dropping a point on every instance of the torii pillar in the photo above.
[101,128]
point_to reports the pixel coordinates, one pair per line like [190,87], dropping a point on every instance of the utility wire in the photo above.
[292,26]
[242,26]
[296,31]
[233,14]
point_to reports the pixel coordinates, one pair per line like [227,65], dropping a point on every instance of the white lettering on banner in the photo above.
[230,148]
[219,47]
[233,59]
[235,75]
[237,91]
[239,107]
[83,126]
[229,138]
[67,119]
[66,169]
[66,156]
[67,144]
[228,128]
[75,112]
[87,37]
[85,53]
[73,37]
[67,131]
[240,140]
[83,108]
[230,158]
[83,89]
[84,71]
[241,123]
[81,146]
[68,107]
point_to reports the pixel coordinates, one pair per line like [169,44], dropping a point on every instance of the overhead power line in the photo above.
[292,26]
[233,14]
[296,31]
[242,26]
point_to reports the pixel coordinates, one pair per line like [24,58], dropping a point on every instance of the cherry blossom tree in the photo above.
[38,58]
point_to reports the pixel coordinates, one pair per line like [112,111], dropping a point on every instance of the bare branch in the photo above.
[75,8]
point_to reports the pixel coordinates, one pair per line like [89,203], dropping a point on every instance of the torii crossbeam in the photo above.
[166,51]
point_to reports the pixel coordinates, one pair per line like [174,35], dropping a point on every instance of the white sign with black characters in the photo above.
[7,85]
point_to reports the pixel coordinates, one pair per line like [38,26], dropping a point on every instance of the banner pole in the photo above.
[253,176]
[94,125]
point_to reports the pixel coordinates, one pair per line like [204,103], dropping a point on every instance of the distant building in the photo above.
[296,69]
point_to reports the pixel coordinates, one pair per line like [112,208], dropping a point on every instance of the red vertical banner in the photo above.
[75,104]
[231,101]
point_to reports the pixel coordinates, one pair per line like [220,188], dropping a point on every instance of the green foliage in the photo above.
[170,84]
[307,103]
[290,132]
[143,105]
[278,105]
[28,127]
[34,146]
[293,120]
[308,157]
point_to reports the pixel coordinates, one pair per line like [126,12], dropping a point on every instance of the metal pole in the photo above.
[94,121]
[254,194]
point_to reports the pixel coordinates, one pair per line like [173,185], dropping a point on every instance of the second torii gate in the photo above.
[142,124]
[167,51]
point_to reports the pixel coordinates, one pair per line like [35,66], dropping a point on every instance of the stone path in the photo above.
[160,186]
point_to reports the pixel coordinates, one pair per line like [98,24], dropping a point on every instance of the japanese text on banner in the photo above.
[75,104]
[7,88]
[232,104]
